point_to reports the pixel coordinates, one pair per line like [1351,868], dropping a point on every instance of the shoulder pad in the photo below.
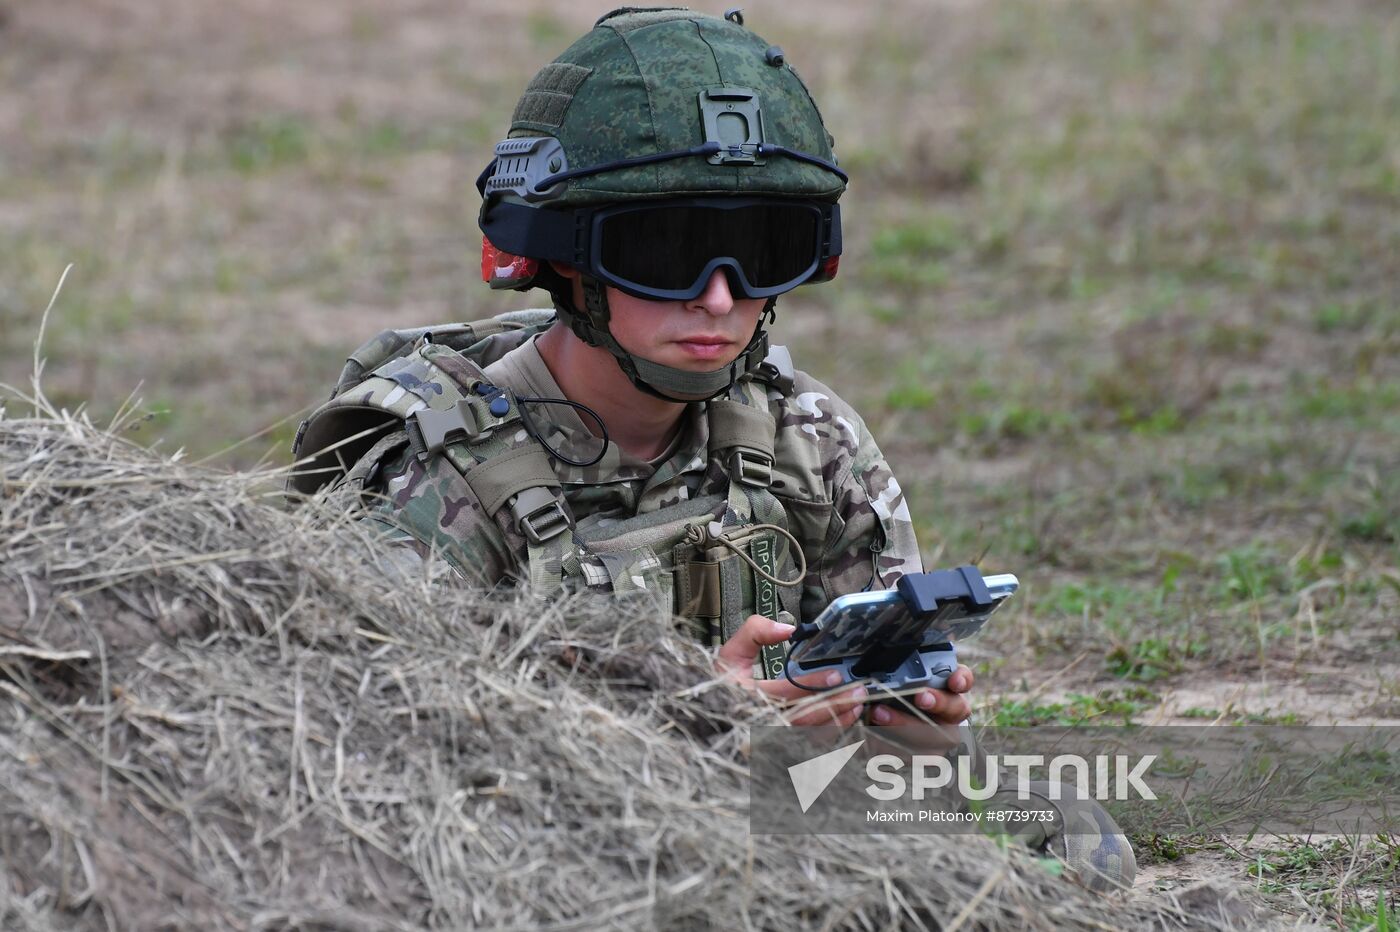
[462,337]
[340,431]
[777,369]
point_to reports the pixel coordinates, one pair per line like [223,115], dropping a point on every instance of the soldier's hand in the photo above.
[738,655]
[945,706]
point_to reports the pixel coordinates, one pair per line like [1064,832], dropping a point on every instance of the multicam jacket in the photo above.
[830,487]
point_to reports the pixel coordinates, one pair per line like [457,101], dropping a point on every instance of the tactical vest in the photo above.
[714,559]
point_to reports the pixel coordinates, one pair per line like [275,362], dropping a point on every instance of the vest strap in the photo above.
[734,425]
[506,474]
[473,438]
[544,560]
[741,437]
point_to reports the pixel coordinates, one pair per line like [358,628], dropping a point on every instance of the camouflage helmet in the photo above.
[656,107]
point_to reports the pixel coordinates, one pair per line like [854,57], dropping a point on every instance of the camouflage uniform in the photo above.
[837,493]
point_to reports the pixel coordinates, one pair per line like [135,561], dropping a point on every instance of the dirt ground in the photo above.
[1120,299]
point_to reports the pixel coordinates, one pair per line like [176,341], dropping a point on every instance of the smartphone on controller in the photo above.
[902,638]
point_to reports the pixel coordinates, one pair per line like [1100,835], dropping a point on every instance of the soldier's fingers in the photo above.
[765,631]
[850,717]
[819,716]
[944,706]
[842,702]
[947,708]
[843,709]
[885,715]
[831,698]
[956,709]
[829,707]
[790,691]
[931,700]
[961,680]
[738,654]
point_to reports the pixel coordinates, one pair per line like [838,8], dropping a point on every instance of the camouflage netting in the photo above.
[216,714]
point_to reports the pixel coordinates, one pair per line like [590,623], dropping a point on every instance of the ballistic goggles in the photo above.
[668,250]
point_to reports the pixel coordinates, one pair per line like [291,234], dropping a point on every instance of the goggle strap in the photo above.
[540,234]
[706,149]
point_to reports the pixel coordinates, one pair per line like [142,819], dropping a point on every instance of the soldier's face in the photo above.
[698,335]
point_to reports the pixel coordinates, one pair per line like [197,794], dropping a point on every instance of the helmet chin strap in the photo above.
[665,382]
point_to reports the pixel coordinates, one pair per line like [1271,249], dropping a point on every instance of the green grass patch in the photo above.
[1099,599]
[1352,881]
[270,142]
[1379,524]
[914,388]
[1242,718]
[1153,658]
[1076,709]
[1253,572]
[1345,316]
[911,255]
[1359,399]
[1269,718]
[1156,848]
[1013,421]
[935,236]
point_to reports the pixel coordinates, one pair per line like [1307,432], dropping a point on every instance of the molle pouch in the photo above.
[637,570]
[637,554]
[721,579]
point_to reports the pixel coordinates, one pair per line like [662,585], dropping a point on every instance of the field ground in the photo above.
[1121,300]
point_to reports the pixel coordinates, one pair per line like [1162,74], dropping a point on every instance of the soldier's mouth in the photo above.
[705,347]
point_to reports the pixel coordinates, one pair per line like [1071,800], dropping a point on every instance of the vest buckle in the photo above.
[539,514]
[436,429]
[751,468]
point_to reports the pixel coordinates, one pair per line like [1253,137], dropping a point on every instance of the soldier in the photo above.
[665,179]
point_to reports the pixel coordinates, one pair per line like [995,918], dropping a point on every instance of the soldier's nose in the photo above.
[716,298]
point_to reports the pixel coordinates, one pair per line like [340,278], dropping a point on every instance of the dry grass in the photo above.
[217,715]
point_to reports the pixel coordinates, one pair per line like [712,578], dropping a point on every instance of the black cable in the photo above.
[804,631]
[523,400]
[787,675]
[768,148]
